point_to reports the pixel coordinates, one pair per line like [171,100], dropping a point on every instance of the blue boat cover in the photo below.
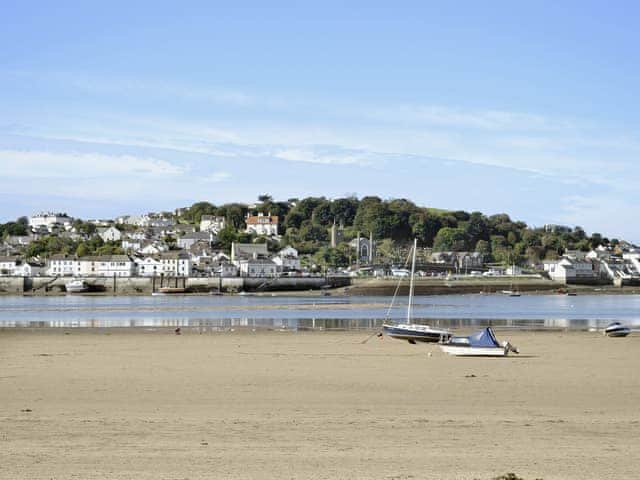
[483,338]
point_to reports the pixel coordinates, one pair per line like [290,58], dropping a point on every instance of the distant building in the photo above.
[261,224]
[189,239]
[212,223]
[287,260]
[110,234]
[553,228]
[50,221]
[257,267]
[17,267]
[173,264]
[573,270]
[62,266]
[241,251]
[106,266]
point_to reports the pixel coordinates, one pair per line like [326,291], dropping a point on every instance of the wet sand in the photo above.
[136,404]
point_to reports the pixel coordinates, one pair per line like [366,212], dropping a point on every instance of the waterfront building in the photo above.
[241,251]
[257,267]
[287,260]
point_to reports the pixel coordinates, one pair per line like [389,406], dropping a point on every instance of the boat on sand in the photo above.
[413,332]
[480,344]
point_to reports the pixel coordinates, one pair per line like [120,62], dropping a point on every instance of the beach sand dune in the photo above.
[130,404]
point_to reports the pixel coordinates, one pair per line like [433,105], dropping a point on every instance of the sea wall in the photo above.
[147,285]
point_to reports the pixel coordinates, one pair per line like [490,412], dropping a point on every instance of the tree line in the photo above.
[306,223]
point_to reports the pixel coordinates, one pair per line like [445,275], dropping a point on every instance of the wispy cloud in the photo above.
[328,155]
[29,164]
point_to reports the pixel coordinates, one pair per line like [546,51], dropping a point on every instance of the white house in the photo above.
[148,266]
[287,260]
[49,221]
[17,267]
[131,245]
[261,224]
[174,264]
[226,269]
[212,223]
[154,248]
[257,267]
[62,266]
[8,265]
[110,234]
[189,239]
[107,266]
[573,270]
[248,250]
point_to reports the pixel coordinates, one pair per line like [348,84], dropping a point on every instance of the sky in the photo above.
[526,108]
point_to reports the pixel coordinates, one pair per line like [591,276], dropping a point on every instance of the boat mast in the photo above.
[413,269]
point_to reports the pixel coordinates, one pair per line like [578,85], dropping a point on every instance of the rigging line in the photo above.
[395,294]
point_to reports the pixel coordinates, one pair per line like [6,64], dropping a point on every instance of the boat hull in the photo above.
[617,330]
[419,333]
[463,351]
[621,332]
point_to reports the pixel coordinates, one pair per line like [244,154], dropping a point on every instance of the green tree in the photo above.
[450,239]
[425,227]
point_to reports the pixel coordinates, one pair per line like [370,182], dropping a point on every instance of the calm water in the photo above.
[534,311]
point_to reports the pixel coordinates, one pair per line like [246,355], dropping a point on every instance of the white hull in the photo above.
[475,351]
[76,286]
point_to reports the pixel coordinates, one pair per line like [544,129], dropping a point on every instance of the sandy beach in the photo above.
[138,404]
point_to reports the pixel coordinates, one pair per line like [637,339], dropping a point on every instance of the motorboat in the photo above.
[76,285]
[616,329]
[409,331]
[480,344]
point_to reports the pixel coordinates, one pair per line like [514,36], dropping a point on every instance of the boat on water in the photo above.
[414,332]
[76,285]
[170,291]
[616,329]
[480,344]
[511,293]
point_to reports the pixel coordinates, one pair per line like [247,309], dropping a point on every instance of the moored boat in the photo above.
[480,344]
[616,329]
[414,332]
[76,286]
[170,291]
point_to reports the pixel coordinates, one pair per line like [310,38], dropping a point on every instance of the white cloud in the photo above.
[335,157]
[30,164]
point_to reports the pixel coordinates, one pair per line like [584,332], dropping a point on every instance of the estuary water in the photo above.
[330,312]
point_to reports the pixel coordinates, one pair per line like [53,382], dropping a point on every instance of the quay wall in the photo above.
[147,285]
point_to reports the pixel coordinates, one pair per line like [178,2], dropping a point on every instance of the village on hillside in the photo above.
[250,243]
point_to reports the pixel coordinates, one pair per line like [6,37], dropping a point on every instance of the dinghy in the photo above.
[480,344]
[616,329]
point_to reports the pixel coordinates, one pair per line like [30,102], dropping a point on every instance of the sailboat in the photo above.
[414,332]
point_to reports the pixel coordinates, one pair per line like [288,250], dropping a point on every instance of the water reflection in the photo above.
[318,313]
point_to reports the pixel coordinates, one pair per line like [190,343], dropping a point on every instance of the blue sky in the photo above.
[530,109]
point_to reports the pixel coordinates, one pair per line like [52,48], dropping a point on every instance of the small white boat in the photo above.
[511,293]
[481,344]
[76,286]
[616,329]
